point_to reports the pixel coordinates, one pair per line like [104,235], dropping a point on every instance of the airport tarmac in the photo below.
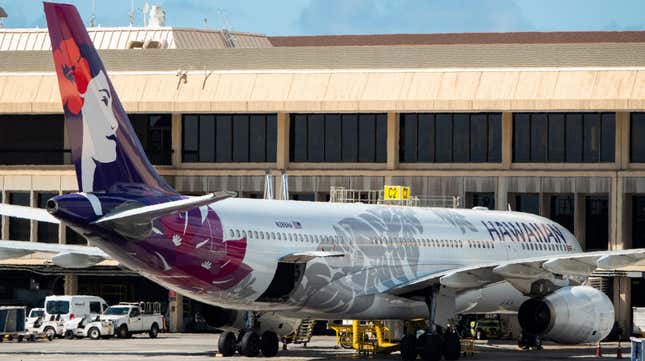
[200,347]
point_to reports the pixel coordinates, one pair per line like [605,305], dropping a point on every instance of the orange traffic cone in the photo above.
[598,350]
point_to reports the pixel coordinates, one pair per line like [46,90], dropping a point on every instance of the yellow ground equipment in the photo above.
[368,338]
[467,347]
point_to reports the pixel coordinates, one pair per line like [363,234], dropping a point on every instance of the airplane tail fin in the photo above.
[105,149]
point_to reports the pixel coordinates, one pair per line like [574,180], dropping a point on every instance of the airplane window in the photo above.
[243,234]
[290,237]
[278,235]
[273,235]
[255,234]
[284,236]
[301,237]
[232,233]
[237,233]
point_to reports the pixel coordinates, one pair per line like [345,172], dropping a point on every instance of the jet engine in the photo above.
[570,315]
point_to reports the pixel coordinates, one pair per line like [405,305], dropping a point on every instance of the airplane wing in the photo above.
[522,273]
[36,214]
[67,256]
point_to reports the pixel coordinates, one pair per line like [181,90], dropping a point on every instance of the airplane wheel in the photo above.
[408,348]
[451,346]
[269,344]
[226,344]
[431,348]
[250,344]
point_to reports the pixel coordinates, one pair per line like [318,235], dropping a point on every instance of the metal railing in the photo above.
[376,196]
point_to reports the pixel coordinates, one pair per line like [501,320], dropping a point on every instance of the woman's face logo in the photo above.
[99,122]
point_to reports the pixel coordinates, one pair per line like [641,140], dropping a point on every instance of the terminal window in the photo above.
[226,138]
[637,134]
[450,137]
[155,133]
[564,137]
[597,223]
[32,139]
[480,199]
[19,229]
[47,232]
[335,138]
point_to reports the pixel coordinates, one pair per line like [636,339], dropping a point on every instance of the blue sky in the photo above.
[311,17]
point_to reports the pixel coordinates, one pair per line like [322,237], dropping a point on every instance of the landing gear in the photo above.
[269,344]
[434,343]
[451,345]
[250,344]
[408,348]
[528,341]
[431,347]
[227,344]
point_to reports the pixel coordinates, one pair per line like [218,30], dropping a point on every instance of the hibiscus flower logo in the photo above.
[73,73]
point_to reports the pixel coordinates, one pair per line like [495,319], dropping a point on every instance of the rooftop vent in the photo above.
[157,17]
[3,15]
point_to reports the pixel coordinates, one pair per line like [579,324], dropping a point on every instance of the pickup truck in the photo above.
[129,318]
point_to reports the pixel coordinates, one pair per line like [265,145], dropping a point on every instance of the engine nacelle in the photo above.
[570,315]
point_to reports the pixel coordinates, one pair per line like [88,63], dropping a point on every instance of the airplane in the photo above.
[269,263]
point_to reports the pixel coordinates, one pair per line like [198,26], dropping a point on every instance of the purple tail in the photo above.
[105,148]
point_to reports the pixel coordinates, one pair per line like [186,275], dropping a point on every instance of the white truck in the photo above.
[129,318]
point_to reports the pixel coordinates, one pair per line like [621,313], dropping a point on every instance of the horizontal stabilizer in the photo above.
[35,214]
[67,256]
[304,257]
[162,209]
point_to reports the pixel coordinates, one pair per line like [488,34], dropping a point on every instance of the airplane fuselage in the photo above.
[227,253]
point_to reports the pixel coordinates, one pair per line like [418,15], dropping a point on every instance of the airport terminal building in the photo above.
[549,123]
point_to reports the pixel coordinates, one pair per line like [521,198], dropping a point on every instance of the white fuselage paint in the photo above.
[383,246]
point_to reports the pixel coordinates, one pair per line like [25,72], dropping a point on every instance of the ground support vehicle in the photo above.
[366,338]
[86,327]
[485,329]
[34,325]
[60,309]
[12,324]
[130,318]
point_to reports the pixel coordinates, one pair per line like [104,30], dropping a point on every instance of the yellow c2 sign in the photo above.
[396,193]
